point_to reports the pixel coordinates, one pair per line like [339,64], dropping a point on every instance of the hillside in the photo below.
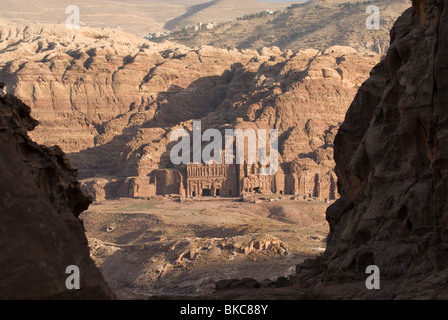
[315,24]
[111,99]
[223,11]
[133,16]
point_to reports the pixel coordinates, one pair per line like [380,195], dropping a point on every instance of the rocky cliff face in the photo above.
[110,99]
[40,233]
[391,162]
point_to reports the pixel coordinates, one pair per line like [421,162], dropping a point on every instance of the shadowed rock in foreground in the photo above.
[392,166]
[40,233]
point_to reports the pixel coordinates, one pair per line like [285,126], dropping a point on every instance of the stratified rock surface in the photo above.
[392,166]
[40,233]
[111,101]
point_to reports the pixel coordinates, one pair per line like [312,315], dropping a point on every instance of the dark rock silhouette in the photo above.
[392,166]
[40,233]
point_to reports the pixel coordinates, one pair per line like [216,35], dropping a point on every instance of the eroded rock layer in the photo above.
[111,100]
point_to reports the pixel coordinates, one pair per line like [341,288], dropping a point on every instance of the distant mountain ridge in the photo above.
[315,24]
[133,16]
[221,11]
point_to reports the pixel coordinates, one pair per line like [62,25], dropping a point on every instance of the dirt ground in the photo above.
[165,247]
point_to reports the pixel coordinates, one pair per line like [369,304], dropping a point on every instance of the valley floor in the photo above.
[165,247]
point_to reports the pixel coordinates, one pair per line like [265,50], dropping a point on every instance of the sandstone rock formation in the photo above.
[111,100]
[40,233]
[391,163]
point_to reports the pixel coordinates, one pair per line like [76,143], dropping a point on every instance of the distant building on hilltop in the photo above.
[200,26]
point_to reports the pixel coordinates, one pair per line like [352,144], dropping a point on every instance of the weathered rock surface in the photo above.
[391,162]
[40,233]
[110,99]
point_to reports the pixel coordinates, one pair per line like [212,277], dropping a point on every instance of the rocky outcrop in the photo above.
[40,233]
[111,100]
[391,162]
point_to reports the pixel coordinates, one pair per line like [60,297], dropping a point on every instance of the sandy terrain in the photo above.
[134,16]
[166,247]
